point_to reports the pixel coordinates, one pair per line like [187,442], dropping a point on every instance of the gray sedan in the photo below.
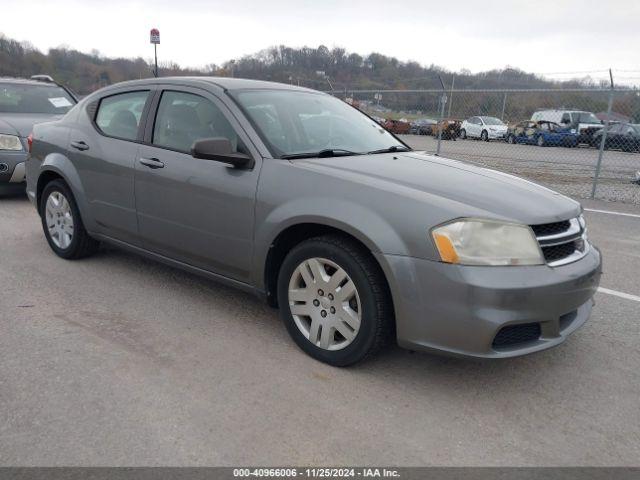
[300,198]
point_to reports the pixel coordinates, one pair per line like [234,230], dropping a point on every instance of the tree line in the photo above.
[320,68]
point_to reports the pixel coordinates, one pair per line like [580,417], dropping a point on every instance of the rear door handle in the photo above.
[151,163]
[80,145]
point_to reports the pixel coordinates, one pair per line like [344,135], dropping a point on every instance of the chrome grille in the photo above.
[562,242]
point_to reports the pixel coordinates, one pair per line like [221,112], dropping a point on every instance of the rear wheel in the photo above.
[61,222]
[484,136]
[540,141]
[511,139]
[334,300]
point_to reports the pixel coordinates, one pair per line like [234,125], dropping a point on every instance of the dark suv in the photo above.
[23,103]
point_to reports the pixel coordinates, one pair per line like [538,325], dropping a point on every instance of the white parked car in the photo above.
[484,128]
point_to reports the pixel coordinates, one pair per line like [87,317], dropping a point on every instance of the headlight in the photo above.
[573,130]
[10,142]
[487,242]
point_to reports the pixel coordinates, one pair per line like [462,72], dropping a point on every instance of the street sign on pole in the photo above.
[154,36]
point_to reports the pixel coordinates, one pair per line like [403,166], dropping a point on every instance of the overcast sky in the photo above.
[538,36]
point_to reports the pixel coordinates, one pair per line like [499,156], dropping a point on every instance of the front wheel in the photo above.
[540,141]
[334,300]
[61,222]
[463,134]
[484,136]
[511,139]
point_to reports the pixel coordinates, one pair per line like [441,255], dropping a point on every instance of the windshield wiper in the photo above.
[393,148]
[328,152]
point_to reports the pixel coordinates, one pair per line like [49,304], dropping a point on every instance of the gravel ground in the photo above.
[116,360]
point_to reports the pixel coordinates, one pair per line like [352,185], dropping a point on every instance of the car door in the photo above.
[103,144]
[199,212]
[473,127]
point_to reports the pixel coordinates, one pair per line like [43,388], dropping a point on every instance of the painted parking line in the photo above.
[615,293]
[612,213]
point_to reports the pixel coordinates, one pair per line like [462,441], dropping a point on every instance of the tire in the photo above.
[540,141]
[463,134]
[484,136]
[511,139]
[332,257]
[61,222]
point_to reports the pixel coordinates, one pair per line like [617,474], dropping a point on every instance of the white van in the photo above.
[585,124]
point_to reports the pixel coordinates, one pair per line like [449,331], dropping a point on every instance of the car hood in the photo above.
[21,124]
[419,173]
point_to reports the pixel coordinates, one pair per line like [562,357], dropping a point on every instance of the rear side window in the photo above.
[119,115]
[183,118]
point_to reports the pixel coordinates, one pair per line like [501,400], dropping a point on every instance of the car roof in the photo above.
[225,83]
[27,81]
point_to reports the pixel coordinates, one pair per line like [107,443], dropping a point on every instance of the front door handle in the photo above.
[151,163]
[80,145]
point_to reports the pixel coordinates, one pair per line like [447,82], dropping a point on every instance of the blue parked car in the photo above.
[542,133]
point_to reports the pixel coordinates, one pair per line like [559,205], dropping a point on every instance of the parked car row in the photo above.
[566,128]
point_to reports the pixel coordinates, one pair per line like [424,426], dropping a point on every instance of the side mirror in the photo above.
[219,150]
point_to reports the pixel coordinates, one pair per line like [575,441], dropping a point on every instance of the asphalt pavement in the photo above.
[117,360]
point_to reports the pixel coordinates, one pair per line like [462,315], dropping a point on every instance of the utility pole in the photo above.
[443,101]
[603,138]
[504,105]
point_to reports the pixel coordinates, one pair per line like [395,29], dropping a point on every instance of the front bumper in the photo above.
[12,167]
[496,135]
[461,309]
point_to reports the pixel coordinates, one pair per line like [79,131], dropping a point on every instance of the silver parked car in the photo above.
[296,196]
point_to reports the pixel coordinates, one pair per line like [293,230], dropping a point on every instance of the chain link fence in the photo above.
[581,142]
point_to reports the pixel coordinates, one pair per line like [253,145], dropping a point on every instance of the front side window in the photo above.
[28,98]
[119,115]
[294,122]
[184,118]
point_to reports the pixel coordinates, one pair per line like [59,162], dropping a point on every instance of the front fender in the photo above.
[354,219]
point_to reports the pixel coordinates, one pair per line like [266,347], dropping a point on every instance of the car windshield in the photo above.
[295,123]
[587,117]
[492,121]
[29,98]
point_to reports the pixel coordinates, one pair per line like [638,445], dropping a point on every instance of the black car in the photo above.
[621,136]
[422,126]
[23,103]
